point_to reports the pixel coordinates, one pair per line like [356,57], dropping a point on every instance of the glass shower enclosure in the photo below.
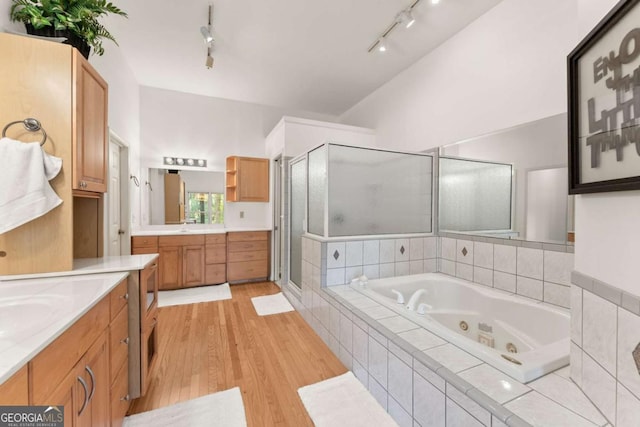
[342,191]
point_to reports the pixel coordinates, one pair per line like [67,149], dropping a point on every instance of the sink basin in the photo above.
[21,315]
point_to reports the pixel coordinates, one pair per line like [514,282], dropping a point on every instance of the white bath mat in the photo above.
[223,409]
[194,295]
[271,304]
[343,401]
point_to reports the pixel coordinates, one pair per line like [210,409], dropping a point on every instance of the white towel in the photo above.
[25,193]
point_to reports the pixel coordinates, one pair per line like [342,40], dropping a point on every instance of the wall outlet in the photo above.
[241,214]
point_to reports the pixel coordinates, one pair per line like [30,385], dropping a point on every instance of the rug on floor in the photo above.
[222,409]
[194,295]
[271,304]
[343,401]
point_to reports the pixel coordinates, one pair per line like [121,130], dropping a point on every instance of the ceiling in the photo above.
[299,54]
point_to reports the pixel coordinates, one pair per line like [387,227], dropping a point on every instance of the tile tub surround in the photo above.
[605,347]
[422,380]
[340,261]
[534,270]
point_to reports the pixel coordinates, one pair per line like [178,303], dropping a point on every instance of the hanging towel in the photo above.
[25,193]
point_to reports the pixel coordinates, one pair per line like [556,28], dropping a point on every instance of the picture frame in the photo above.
[603,74]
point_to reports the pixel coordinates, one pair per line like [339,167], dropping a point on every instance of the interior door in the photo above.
[113,194]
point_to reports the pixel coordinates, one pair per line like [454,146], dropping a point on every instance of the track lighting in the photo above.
[208,39]
[404,17]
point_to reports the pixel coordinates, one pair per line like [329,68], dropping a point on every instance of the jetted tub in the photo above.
[520,338]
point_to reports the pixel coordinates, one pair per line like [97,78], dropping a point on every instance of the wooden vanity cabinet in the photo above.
[85,367]
[247,256]
[144,245]
[247,179]
[15,390]
[182,261]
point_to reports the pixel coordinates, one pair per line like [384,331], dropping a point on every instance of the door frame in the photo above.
[277,220]
[125,207]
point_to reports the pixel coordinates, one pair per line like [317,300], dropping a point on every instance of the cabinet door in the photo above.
[170,267]
[15,391]
[90,128]
[193,266]
[253,179]
[94,368]
[69,394]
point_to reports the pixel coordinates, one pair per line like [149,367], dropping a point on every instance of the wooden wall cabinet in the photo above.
[90,136]
[52,83]
[174,199]
[247,179]
[247,256]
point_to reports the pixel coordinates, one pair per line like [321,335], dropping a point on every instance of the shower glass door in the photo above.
[298,201]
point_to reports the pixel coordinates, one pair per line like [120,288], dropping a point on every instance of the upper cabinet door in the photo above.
[89,127]
[247,179]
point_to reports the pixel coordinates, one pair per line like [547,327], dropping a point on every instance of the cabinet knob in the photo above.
[125,398]
[125,341]
[125,296]
[3,254]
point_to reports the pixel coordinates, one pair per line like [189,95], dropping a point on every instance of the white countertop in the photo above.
[108,264]
[33,313]
[179,230]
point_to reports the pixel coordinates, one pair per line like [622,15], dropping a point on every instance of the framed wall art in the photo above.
[604,105]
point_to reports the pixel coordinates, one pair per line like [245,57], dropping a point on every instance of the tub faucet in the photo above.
[411,305]
[400,297]
[422,308]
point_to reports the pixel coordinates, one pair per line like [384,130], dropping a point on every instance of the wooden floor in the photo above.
[215,346]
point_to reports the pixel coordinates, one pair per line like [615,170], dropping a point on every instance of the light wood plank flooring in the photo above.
[215,346]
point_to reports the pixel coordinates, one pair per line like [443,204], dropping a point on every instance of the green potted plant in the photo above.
[77,20]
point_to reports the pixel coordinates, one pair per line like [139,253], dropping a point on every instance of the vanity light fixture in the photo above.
[184,161]
[404,17]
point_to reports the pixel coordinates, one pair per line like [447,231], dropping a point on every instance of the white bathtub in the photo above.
[539,334]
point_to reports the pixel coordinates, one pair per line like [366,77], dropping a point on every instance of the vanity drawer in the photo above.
[248,246]
[248,256]
[119,297]
[215,254]
[181,240]
[215,273]
[215,239]
[144,242]
[244,236]
[119,342]
[245,270]
[120,399]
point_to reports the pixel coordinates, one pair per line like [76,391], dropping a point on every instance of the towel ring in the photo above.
[30,124]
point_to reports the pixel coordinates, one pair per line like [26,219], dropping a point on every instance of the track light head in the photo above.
[206,35]
[382,45]
[406,18]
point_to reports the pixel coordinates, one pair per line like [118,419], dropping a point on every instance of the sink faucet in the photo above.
[411,305]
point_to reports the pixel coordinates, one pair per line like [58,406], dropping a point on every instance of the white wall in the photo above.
[506,68]
[607,225]
[187,125]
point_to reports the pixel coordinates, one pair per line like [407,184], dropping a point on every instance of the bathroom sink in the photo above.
[21,315]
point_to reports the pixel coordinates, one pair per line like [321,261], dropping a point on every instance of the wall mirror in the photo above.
[185,196]
[509,184]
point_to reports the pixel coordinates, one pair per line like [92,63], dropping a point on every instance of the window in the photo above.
[205,208]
